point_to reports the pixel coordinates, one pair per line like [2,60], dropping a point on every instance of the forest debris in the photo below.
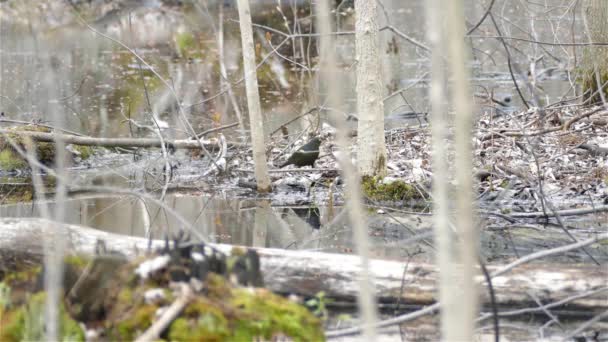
[198,292]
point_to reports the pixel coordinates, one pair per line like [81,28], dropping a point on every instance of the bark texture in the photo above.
[371,149]
[253,98]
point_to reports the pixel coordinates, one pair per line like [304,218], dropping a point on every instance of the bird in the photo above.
[306,155]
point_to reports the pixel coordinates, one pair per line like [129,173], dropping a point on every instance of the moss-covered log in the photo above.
[22,138]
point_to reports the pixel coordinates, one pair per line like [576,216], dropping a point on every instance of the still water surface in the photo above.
[58,68]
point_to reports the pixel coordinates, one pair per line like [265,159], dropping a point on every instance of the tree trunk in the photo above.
[595,63]
[356,213]
[460,307]
[253,98]
[371,150]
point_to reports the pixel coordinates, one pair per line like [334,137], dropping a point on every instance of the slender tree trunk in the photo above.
[253,98]
[328,67]
[371,150]
[595,63]
[444,236]
[464,305]
[55,245]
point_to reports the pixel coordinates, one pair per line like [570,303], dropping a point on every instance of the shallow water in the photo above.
[52,69]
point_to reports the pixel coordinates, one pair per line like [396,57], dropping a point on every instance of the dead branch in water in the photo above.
[119,142]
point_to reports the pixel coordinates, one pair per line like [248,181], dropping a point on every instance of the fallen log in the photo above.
[306,273]
[210,144]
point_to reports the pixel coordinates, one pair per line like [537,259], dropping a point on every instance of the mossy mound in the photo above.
[122,299]
[11,159]
[378,189]
[26,323]
[224,313]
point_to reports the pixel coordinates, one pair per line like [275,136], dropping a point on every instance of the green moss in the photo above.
[187,45]
[20,189]
[125,295]
[26,323]
[243,314]
[202,321]
[5,295]
[375,189]
[27,274]
[135,323]
[235,253]
[221,312]
[16,193]
[78,261]
[264,314]
[84,152]
[10,160]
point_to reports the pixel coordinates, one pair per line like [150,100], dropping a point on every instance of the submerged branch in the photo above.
[119,142]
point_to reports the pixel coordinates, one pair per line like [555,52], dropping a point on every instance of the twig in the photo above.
[406,37]
[202,134]
[546,306]
[580,117]
[483,18]
[386,323]
[585,325]
[296,118]
[565,126]
[548,252]
[567,212]
[540,42]
[75,92]
[153,333]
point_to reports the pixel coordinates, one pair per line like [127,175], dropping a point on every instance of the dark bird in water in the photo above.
[306,155]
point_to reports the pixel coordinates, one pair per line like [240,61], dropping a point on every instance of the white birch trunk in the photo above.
[253,98]
[366,289]
[371,149]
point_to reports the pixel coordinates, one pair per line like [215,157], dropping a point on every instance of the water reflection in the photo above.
[239,222]
[234,221]
[102,84]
